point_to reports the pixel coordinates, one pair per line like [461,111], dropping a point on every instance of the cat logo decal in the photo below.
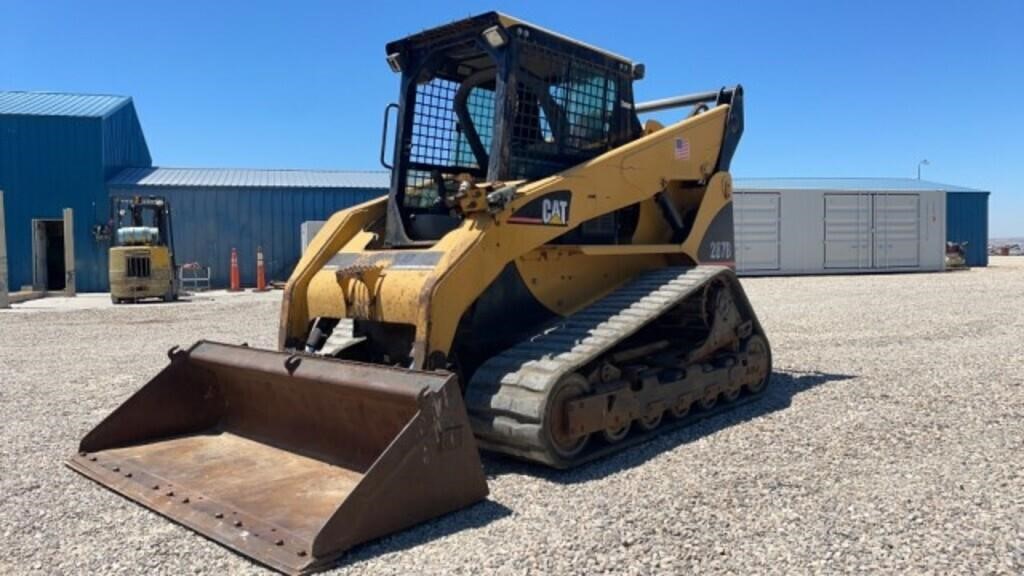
[552,209]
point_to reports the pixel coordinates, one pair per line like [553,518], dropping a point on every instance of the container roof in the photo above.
[248,178]
[847,185]
[60,104]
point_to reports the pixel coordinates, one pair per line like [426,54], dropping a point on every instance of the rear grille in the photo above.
[137,266]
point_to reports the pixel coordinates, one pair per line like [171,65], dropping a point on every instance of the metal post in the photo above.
[4,300]
[69,252]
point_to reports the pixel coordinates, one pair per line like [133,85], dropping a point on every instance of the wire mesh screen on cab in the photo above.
[564,111]
[440,147]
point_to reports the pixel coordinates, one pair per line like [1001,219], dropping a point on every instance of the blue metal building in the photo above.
[215,210]
[57,151]
[967,221]
[73,150]
[966,208]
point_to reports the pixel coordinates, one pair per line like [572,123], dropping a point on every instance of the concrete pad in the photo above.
[37,302]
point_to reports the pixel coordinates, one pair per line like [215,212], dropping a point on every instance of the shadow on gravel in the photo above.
[480,514]
[778,396]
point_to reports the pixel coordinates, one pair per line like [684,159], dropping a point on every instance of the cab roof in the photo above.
[481,22]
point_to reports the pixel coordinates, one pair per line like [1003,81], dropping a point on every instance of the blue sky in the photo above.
[833,88]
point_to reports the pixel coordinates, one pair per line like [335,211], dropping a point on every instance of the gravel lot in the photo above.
[892,440]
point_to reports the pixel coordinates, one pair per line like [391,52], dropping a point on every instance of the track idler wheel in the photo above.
[564,444]
[759,359]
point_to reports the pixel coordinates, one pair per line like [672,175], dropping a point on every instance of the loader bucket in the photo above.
[290,460]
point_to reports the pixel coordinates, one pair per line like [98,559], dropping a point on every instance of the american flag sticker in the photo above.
[682,149]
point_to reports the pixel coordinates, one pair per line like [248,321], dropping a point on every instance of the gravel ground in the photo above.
[892,440]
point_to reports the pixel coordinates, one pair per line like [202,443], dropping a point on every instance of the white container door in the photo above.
[757,231]
[897,230]
[847,231]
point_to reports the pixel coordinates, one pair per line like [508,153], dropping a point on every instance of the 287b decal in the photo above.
[721,250]
[716,246]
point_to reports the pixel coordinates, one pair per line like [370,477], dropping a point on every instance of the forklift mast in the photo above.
[148,218]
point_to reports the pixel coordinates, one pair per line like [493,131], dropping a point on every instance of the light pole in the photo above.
[924,162]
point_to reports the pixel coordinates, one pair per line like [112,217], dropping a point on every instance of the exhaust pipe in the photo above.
[723,96]
[676,102]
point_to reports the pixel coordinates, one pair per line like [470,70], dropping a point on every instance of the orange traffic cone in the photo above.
[261,277]
[236,281]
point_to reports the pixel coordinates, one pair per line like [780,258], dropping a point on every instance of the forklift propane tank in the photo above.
[137,235]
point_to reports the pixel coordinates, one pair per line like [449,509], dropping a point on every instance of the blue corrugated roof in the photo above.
[60,104]
[247,178]
[847,184]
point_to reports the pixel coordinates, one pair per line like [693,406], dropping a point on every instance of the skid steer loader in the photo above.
[547,278]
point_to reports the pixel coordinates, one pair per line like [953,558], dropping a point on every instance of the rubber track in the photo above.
[507,396]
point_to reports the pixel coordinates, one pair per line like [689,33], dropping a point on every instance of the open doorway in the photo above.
[49,271]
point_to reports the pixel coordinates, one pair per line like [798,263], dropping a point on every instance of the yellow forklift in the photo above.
[142,253]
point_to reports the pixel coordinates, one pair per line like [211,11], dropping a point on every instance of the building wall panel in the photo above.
[847,230]
[52,162]
[967,221]
[757,231]
[48,164]
[124,144]
[897,233]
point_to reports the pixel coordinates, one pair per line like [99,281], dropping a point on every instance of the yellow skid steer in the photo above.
[547,278]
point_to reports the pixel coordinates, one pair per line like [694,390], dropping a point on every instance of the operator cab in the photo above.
[492,98]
